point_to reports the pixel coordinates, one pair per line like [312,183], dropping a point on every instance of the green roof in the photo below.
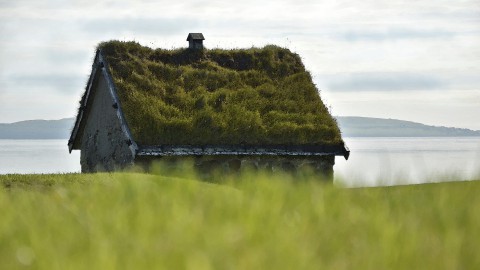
[256,96]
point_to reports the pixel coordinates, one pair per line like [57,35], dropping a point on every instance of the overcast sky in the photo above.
[409,60]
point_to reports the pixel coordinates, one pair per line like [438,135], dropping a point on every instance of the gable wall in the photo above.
[104,146]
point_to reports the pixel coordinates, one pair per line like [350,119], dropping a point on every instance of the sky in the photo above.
[408,60]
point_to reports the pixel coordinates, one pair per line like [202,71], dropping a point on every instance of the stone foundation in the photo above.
[208,165]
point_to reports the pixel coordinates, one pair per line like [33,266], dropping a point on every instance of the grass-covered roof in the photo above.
[257,96]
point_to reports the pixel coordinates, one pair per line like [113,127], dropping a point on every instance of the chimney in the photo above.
[195,41]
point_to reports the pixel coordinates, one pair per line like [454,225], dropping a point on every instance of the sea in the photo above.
[373,161]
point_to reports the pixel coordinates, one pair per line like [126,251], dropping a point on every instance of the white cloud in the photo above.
[385,82]
[426,46]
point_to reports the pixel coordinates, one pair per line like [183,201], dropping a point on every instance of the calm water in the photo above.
[37,156]
[373,161]
[392,161]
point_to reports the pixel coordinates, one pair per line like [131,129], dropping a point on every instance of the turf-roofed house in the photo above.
[255,107]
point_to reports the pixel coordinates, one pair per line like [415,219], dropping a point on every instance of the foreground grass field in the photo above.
[139,221]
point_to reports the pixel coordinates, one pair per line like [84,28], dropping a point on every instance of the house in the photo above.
[195,40]
[254,107]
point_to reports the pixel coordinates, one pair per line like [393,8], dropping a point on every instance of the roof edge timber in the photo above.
[244,150]
[100,64]
[83,104]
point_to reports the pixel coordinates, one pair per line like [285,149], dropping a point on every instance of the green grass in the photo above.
[140,221]
[241,96]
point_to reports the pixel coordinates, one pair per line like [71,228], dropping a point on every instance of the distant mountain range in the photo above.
[37,129]
[351,126]
[354,126]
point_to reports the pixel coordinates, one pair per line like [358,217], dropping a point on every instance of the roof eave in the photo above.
[80,116]
[120,115]
[243,150]
[101,65]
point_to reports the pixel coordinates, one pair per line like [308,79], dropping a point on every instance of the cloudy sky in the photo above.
[410,60]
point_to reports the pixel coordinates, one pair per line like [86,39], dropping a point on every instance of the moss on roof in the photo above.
[252,96]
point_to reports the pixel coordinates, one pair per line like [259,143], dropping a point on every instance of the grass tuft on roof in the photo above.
[257,96]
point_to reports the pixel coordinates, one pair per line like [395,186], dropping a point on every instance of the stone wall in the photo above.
[207,165]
